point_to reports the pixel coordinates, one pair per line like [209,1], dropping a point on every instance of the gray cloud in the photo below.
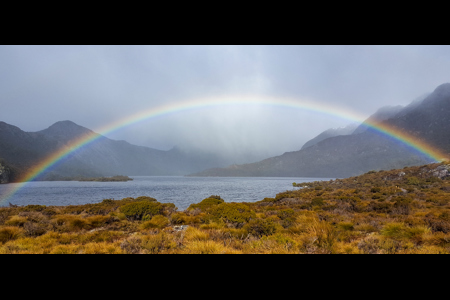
[97,85]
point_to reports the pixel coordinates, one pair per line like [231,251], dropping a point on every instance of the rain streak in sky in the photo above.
[97,85]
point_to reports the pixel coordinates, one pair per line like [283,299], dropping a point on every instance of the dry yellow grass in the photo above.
[368,214]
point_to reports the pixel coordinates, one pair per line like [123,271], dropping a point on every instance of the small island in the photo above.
[82,178]
[107,179]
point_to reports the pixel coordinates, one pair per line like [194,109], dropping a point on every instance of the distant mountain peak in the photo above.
[443,90]
[65,128]
[332,132]
[65,124]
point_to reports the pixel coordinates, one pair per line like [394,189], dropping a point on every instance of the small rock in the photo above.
[180,227]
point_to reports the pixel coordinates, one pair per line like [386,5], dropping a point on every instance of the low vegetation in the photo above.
[116,178]
[403,211]
[107,179]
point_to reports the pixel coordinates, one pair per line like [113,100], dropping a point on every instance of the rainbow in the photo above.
[196,104]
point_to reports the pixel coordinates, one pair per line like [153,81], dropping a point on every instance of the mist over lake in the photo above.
[180,190]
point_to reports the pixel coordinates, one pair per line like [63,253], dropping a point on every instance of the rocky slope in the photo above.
[332,132]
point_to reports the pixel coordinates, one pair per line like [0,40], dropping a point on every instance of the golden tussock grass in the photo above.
[375,213]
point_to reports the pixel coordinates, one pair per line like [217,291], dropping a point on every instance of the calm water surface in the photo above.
[180,190]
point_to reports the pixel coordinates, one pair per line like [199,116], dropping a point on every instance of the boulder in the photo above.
[180,227]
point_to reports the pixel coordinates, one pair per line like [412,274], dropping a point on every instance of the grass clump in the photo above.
[9,233]
[324,234]
[16,221]
[157,221]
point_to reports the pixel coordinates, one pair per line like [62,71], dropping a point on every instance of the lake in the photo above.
[179,190]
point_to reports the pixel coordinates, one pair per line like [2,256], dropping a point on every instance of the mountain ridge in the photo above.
[334,156]
[103,157]
[351,155]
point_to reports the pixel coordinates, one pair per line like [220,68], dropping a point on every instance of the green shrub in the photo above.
[102,208]
[146,218]
[318,201]
[266,200]
[99,220]
[137,210]
[402,205]
[235,213]
[375,190]
[413,180]
[207,203]
[280,196]
[33,207]
[49,212]
[380,207]
[261,227]
[287,217]
[378,196]
[145,198]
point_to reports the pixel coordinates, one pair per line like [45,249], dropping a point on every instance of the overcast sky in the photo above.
[96,85]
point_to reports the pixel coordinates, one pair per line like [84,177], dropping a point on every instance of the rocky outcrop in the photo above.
[5,174]
[441,171]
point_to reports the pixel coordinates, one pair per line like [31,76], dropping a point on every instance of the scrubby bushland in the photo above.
[396,211]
